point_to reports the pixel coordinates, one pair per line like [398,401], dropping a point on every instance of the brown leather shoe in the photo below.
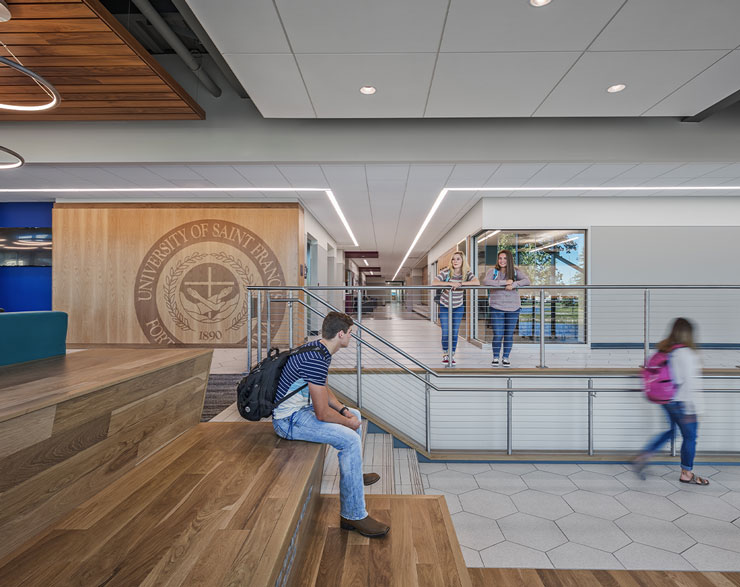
[370,478]
[366,526]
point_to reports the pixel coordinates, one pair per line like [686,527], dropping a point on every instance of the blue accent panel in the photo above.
[28,336]
[25,214]
[24,289]
[398,444]
[374,429]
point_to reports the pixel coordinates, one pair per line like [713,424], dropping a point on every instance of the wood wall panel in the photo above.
[81,44]
[62,454]
[99,252]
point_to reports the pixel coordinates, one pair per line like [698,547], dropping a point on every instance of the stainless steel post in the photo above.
[259,325]
[509,416]
[449,328]
[290,323]
[542,329]
[358,342]
[432,293]
[268,330]
[591,395]
[646,324]
[249,330]
[428,396]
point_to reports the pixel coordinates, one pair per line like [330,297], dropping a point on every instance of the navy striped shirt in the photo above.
[307,367]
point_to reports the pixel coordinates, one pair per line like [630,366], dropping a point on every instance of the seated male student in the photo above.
[316,415]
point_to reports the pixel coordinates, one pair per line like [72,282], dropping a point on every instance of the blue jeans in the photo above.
[304,425]
[503,324]
[444,319]
[687,424]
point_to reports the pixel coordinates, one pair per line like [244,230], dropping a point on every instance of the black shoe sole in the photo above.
[345,526]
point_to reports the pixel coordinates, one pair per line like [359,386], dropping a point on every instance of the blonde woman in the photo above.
[505,303]
[457,273]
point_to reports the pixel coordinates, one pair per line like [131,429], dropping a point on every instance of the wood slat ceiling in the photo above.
[99,68]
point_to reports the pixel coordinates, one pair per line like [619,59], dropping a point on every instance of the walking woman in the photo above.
[457,273]
[505,303]
[686,405]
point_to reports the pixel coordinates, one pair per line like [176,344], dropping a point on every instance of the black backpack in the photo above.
[255,394]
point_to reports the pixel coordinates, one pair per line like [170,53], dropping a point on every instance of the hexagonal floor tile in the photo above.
[470,468]
[427,468]
[596,504]
[453,501]
[657,533]
[578,556]
[559,468]
[611,469]
[710,558]
[531,531]
[711,532]
[598,483]
[641,557]
[476,532]
[647,504]
[472,557]
[653,484]
[501,482]
[513,468]
[715,489]
[733,498]
[542,505]
[487,503]
[705,505]
[511,555]
[548,482]
[728,480]
[595,532]
[452,481]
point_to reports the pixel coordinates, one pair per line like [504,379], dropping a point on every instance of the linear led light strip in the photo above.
[445,191]
[329,194]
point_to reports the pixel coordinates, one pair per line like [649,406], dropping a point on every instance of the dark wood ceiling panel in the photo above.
[100,70]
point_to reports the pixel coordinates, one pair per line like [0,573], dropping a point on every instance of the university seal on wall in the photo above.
[191,285]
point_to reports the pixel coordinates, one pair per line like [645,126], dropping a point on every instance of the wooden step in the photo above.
[225,503]
[421,548]
[597,578]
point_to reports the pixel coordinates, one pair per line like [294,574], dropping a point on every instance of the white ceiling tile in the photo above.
[387,172]
[672,24]
[274,84]
[494,84]
[236,26]
[515,25]
[691,170]
[729,171]
[471,175]
[513,174]
[707,88]
[262,175]
[345,176]
[221,175]
[554,174]
[140,176]
[334,82]
[649,76]
[642,172]
[175,172]
[95,176]
[599,173]
[358,26]
[305,176]
[426,176]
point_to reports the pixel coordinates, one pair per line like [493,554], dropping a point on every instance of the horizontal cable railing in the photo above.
[390,369]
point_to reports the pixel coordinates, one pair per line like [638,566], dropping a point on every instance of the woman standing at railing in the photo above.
[505,303]
[457,273]
[683,409]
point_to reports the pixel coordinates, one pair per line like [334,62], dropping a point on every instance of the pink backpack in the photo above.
[657,380]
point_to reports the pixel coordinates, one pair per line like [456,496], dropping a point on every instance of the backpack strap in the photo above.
[298,351]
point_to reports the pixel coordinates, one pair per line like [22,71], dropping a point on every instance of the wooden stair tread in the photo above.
[32,386]
[597,578]
[421,548]
[218,505]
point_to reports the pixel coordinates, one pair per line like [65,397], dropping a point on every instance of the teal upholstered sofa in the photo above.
[27,336]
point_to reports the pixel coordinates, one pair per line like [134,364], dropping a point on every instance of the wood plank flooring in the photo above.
[219,505]
[420,550]
[598,578]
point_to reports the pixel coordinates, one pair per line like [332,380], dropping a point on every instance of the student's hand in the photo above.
[353,422]
[509,281]
[509,287]
[455,284]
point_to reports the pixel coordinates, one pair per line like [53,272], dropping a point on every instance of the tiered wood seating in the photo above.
[70,425]
[224,504]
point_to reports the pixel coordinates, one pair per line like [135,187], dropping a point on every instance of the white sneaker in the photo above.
[454,362]
[495,361]
[506,362]
[445,359]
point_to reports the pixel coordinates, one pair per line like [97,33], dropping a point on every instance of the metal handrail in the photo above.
[475,287]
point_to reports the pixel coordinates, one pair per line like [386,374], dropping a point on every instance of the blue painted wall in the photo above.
[25,288]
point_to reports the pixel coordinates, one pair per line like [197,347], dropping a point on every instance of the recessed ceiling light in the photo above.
[538,3]
[615,88]
[367,90]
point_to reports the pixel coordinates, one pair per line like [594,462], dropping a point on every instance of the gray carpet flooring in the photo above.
[220,394]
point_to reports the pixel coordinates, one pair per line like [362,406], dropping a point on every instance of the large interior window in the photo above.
[549,257]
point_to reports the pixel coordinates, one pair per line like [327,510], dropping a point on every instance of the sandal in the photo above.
[695,480]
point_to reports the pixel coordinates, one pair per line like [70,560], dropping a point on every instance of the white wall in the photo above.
[469,224]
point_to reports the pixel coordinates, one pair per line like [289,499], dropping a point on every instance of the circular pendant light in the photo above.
[14,164]
[52,92]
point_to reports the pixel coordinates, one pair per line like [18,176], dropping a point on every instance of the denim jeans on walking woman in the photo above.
[688,425]
[503,324]
[457,316]
[304,425]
